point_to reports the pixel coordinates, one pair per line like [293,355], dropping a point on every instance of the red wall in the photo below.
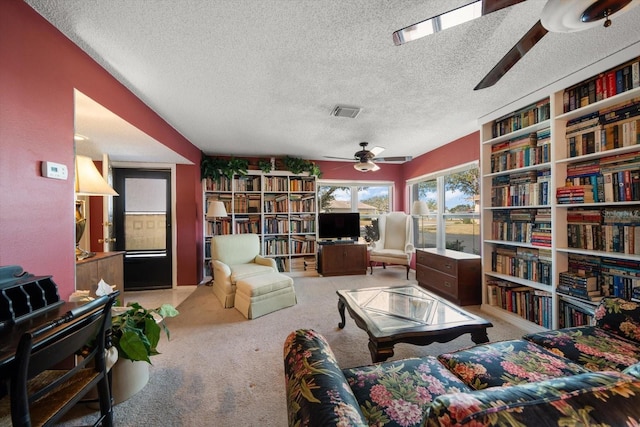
[40,69]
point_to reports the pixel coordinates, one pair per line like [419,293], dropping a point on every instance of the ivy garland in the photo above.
[216,167]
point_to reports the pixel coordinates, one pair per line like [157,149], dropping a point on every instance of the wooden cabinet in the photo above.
[105,265]
[450,274]
[342,259]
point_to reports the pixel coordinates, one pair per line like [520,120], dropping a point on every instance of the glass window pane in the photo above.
[333,198]
[462,213]
[425,227]
[145,216]
[373,200]
[462,233]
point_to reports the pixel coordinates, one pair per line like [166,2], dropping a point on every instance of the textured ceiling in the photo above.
[260,77]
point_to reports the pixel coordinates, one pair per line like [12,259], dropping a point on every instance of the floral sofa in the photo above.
[582,376]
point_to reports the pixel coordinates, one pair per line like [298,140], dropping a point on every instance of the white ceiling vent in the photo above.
[344,111]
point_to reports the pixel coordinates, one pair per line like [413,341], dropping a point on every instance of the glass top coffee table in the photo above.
[407,314]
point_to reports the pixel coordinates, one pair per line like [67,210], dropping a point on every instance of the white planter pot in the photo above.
[128,378]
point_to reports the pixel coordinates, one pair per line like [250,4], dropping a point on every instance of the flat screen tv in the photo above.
[344,225]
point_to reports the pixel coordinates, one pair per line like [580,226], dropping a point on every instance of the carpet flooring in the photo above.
[220,369]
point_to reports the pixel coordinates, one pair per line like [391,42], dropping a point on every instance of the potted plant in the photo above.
[135,333]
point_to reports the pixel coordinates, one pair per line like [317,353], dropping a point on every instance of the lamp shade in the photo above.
[216,209]
[420,208]
[89,182]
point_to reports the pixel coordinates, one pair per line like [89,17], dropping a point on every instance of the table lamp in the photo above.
[420,209]
[88,182]
[215,209]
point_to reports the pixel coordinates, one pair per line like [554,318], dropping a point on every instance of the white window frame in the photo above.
[354,185]
[440,214]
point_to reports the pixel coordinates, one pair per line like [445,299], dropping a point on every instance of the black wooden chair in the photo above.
[40,392]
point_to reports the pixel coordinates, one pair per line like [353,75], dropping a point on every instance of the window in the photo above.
[453,221]
[367,198]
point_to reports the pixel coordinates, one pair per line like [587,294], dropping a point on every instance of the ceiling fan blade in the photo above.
[392,159]
[375,168]
[340,158]
[533,36]
[376,150]
[490,6]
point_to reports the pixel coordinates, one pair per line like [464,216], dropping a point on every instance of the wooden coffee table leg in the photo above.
[341,311]
[480,337]
[380,353]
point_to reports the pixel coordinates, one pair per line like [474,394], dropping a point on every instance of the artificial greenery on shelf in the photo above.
[215,167]
[297,166]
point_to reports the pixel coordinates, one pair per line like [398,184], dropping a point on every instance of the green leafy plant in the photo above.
[265,165]
[136,331]
[297,166]
[215,167]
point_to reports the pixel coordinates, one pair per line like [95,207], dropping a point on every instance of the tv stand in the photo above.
[342,258]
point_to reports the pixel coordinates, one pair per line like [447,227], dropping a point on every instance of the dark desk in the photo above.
[10,335]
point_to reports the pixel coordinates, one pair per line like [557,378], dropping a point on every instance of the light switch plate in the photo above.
[54,170]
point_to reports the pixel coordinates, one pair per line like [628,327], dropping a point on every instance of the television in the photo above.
[342,225]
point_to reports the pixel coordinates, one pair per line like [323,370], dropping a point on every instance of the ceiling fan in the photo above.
[558,16]
[365,158]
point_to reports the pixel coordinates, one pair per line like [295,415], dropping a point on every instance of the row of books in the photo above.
[528,116]
[571,315]
[303,245]
[526,150]
[218,227]
[275,183]
[221,184]
[605,85]
[247,183]
[521,189]
[613,276]
[609,179]
[525,263]
[579,284]
[523,225]
[301,184]
[615,127]
[608,230]
[299,203]
[246,203]
[276,224]
[302,224]
[531,304]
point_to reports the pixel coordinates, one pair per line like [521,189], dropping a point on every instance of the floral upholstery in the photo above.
[398,393]
[507,363]
[579,400]
[633,370]
[538,388]
[620,317]
[594,348]
[317,391]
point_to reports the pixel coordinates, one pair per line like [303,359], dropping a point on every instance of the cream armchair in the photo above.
[395,245]
[234,257]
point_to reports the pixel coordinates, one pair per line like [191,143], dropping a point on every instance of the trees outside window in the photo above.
[453,221]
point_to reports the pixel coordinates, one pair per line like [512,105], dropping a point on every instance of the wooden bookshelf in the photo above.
[280,207]
[561,202]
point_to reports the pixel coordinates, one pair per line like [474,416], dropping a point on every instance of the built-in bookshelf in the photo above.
[561,202]
[278,206]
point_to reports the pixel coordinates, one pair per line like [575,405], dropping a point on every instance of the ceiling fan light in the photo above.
[566,16]
[365,166]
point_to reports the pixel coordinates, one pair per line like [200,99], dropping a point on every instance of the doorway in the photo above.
[142,217]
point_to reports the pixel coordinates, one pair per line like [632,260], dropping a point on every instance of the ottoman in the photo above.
[263,294]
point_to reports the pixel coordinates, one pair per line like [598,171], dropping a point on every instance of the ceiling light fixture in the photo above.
[366,166]
[438,23]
